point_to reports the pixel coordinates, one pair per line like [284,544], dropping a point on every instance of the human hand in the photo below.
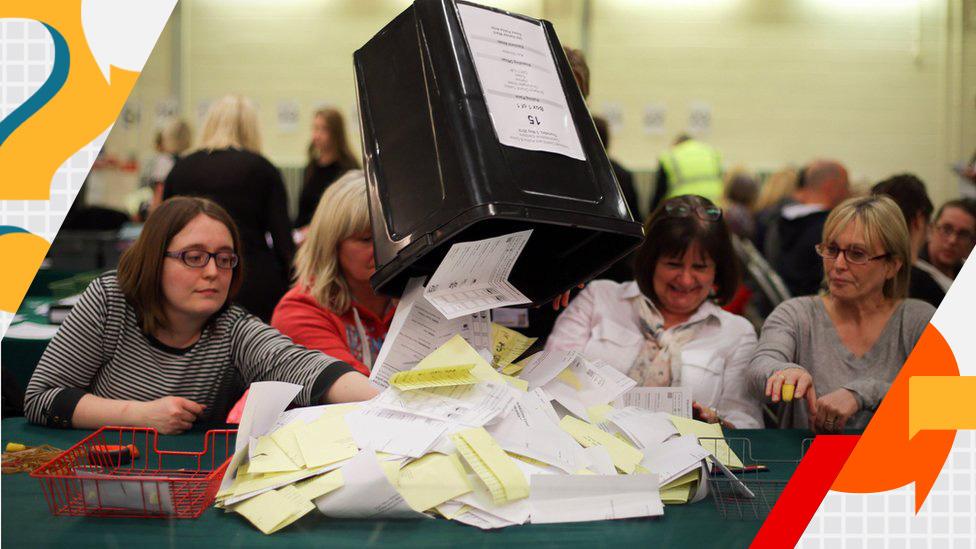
[833,411]
[708,415]
[169,415]
[562,301]
[799,381]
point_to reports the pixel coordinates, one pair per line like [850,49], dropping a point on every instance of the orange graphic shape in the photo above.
[22,255]
[84,107]
[941,403]
[885,458]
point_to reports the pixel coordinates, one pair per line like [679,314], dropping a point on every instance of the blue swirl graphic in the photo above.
[8,229]
[54,82]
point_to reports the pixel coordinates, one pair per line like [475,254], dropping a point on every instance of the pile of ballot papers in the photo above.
[466,432]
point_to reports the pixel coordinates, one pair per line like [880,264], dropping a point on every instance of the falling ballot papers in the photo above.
[467,429]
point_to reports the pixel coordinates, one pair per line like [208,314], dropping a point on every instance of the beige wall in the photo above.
[883,85]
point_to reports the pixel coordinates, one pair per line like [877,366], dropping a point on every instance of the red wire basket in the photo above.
[88,480]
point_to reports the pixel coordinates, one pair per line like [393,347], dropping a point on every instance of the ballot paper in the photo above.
[326,440]
[578,498]
[494,467]
[483,520]
[532,430]
[673,400]
[507,345]
[394,432]
[599,460]
[418,329]
[586,383]
[470,405]
[276,509]
[544,366]
[473,276]
[366,493]
[265,402]
[432,480]
[625,457]
[111,493]
[480,498]
[674,458]
[641,427]
[710,437]
[441,376]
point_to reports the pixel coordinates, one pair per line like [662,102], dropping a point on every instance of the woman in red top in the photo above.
[332,307]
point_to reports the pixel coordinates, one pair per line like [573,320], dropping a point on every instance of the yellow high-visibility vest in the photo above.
[693,167]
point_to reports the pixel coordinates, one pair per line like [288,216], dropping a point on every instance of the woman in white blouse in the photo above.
[666,327]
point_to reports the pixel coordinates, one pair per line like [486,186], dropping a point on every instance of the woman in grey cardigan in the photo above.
[841,350]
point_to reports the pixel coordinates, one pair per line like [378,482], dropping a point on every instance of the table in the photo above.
[20,356]
[26,521]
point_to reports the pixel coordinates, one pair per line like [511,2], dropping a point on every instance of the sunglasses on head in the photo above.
[704,212]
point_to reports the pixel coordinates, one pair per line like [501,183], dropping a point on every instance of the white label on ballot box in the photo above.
[518,75]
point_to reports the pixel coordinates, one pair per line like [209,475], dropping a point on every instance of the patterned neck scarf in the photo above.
[659,362]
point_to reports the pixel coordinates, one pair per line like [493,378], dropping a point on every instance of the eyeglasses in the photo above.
[705,213]
[948,231]
[852,255]
[198,258]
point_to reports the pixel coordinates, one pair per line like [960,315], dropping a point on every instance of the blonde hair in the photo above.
[880,222]
[342,212]
[231,122]
[776,187]
[176,136]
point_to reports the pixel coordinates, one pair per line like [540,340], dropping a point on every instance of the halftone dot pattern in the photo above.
[26,60]
[887,520]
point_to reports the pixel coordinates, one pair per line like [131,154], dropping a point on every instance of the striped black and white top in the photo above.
[101,349]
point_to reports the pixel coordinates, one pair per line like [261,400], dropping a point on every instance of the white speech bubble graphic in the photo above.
[123,32]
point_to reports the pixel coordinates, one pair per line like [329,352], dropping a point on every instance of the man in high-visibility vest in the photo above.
[689,167]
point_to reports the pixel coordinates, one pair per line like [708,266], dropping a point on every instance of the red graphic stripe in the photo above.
[804,492]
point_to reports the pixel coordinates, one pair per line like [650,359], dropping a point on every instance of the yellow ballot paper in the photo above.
[507,345]
[625,457]
[501,475]
[268,457]
[680,490]
[275,509]
[457,351]
[325,441]
[442,376]
[519,384]
[718,448]
[570,378]
[285,439]
[432,480]
[599,413]
[319,486]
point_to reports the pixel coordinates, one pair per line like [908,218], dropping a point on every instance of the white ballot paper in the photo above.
[579,498]
[642,427]
[543,366]
[473,276]
[394,432]
[266,400]
[471,405]
[532,430]
[671,459]
[517,73]
[366,493]
[418,329]
[673,400]
[587,383]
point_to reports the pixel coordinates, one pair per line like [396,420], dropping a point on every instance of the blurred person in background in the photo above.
[741,192]
[227,167]
[329,156]
[776,191]
[951,239]
[688,167]
[792,235]
[908,192]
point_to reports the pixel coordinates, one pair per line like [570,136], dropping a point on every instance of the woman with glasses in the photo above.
[158,343]
[839,352]
[666,327]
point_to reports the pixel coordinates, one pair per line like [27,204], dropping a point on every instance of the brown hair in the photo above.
[337,129]
[670,236]
[581,71]
[140,270]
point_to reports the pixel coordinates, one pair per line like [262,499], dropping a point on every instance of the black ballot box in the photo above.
[473,127]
